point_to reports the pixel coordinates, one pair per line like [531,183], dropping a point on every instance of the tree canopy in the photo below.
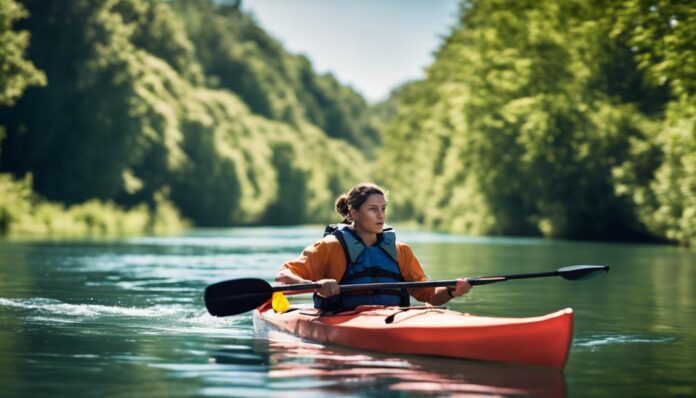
[569,119]
[191,100]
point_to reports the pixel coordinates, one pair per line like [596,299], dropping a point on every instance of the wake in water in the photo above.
[169,319]
[175,316]
[57,307]
[599,340]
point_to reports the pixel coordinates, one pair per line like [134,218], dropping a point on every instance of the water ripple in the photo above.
[611,339]
[52,306]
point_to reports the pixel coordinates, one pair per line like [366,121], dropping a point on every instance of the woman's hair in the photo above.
[355,198]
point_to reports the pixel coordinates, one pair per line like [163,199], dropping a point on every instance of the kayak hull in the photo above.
[542,341]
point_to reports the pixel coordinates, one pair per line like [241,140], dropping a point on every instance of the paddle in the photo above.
[237,296]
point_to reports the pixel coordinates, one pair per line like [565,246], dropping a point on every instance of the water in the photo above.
[126,318]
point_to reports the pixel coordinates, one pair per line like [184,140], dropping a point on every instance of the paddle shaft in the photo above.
[240,295]
[484,280]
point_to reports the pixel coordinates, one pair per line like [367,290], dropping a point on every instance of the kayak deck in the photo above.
[543,340]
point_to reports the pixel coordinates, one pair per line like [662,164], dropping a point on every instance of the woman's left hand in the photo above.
[463,287]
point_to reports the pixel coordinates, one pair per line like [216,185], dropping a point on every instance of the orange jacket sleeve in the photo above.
[412,271]
[322,260]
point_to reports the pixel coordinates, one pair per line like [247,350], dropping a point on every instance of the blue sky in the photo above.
[371,45]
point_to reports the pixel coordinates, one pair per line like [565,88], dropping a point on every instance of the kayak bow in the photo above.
[543,340]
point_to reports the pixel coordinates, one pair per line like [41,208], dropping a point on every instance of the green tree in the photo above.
[87,128]
[16,72]
[517,128]
[141,105]
[659,178]
[236,54]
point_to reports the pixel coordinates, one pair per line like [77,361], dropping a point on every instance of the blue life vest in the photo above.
[365,264]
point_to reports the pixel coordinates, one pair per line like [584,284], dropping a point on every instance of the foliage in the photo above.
[530,117]
[236,54]
[14,201]
[129,114]
[16,72]
[659,176]
[22,213]
[569,119]
[662,35]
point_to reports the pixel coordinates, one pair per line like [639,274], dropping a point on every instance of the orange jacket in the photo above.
[326,259]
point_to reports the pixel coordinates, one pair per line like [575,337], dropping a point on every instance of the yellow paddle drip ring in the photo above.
[279,302]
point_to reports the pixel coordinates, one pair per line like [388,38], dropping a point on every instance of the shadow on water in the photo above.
[295,364]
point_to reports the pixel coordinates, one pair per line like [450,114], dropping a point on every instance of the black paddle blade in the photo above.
[575,272]
[236,296]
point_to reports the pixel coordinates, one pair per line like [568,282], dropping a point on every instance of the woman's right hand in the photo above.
[329,287]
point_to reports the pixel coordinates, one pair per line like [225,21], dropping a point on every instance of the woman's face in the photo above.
[370,217]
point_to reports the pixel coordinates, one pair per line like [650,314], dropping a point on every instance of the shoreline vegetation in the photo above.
[25,215]
[572,120]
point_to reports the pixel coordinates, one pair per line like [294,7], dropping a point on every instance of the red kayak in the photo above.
[543,340]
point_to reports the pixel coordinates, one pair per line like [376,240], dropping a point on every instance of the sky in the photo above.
[370,45]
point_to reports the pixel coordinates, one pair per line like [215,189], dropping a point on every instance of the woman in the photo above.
[361,250]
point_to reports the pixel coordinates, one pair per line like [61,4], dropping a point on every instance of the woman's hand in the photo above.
[461,289]
[329,287]
[444,294]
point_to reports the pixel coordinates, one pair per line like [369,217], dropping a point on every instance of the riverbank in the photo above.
[23,214]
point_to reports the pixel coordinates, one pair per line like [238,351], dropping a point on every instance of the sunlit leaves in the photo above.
[16,72]
[188,100]
[537,118]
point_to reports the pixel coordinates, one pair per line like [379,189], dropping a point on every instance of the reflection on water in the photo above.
[294,362]
[126,318]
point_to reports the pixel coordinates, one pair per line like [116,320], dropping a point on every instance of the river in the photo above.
[126,317]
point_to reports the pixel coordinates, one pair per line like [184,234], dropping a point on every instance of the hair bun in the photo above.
[342,205]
